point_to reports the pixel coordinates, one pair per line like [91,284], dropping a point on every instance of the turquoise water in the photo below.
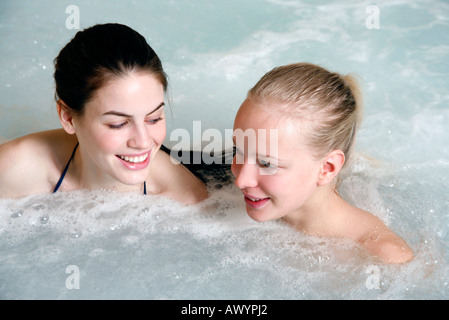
[130,246]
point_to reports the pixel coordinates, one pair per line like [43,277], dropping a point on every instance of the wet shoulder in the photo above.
[176,181]
[381,241]
[29,164]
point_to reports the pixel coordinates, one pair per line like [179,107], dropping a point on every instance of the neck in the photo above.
[318,215]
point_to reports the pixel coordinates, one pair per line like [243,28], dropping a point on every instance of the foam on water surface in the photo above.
[130,246]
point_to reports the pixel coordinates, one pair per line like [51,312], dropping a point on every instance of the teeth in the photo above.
[135,159]
[253,199]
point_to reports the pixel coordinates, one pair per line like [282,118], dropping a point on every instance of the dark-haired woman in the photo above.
[110,90]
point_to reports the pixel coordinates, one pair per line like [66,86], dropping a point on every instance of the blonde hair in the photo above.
[309,92]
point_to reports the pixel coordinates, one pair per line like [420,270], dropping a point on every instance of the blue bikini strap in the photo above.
[65,170]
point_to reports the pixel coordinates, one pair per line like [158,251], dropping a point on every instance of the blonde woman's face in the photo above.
[275,172]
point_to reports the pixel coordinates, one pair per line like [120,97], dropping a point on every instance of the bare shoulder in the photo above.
[28,163]
[380,240]
[177,182]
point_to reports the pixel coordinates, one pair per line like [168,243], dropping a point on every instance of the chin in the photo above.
[132,180]
[257,216]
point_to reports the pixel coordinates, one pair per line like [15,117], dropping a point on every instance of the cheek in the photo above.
[283,187]
[273,185]
[97,138]
[159,133]
[107,141]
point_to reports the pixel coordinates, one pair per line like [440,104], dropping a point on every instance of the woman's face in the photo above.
[122,128]
[276,181]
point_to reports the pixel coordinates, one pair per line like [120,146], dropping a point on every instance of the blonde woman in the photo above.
[315,114]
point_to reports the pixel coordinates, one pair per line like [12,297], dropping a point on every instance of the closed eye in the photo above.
[267,164]
[154,121]
[118,126]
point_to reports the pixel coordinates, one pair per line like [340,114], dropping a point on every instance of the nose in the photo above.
[140,138]
[246,174]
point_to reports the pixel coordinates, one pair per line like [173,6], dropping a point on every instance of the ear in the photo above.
[65,117]
[331,166]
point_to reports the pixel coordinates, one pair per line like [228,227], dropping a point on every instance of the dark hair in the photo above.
[97,54]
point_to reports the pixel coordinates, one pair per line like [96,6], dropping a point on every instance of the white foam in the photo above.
[213,244]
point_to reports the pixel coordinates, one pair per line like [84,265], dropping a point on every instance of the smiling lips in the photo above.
[137,162]
[135,159]
[254,202]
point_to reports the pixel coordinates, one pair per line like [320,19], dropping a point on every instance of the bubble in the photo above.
[75,234]
[38,206]
[17,214]
[43,219]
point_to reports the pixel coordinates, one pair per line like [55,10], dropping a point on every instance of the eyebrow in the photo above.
[121,114]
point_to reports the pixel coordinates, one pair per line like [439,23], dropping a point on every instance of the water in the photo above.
[130,246]
[137,247]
